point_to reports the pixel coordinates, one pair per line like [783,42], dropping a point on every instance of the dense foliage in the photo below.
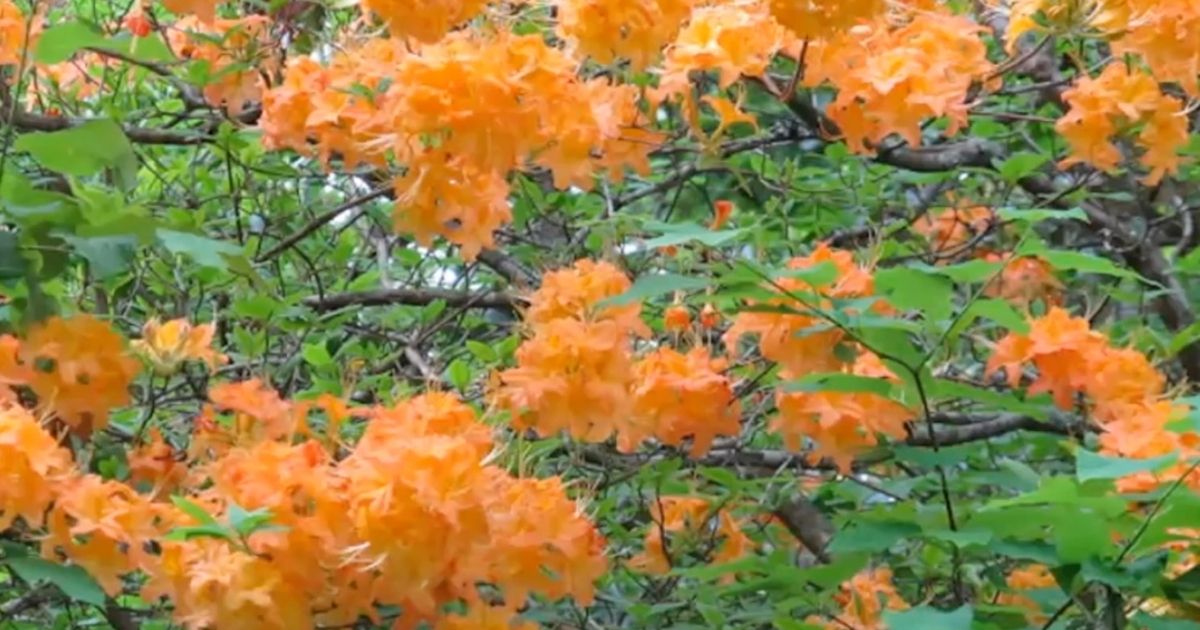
[456,314]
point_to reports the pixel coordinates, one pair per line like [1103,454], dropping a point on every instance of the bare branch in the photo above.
[415,297]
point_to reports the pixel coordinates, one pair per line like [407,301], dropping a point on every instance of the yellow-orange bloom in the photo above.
[32,465]
[841,425]
[676,319]
[573,376]
[952,228]
[863,599]
[677,396]
[576,293]
[692,522]
[14,26]
[79,369]
[1028,578]
[1061,347]
[166,345]
[423,20]
[636,30]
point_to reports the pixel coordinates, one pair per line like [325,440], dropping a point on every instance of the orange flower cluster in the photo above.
[841,424]
[336,106]
[236,52]
[77,367]
[13,28]
[891,80]
[1023,280]
[636,30]
[577,372]
[1028,578]
[1164,33]
[794,336]
[461,114]
[952,228]
[413,516]
[167,345]
[863,599]
[1118,100]
[424,20]
[1122,389]
[819,19]
[695,524]
[735,38]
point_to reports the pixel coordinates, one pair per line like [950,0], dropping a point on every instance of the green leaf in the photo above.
[1086,263]
[106,255]
[872,536]
[676,233]
[1037,215]
[459,374]
[1089,465]
[12,264]
[75,582]
[58,43]
[818,275]
[929,618]
[482,351]
[1183,339]
[199,531]
[837,382]
[82,150]
[195,511]
[1021,164]
[247,522]
[970,271]
[316,354]
[205,251]
[654,285]
[912,289]
[1001,312]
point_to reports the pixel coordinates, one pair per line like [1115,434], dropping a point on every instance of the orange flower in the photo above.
[1023,280]
[156,463]
[892,80]
[1122,98]
[572,376]
[79,369]
[693,522]
[13,28]
[676,396]
[1028,578]
[787,337]
[954,227]
[633,29]
[259,412]
[722,210]
[676,319]
[33,466]
[137,23]
[1060,346]
[237,52]
[425,21]
[841,424]
[819,19]
[483,617]
[709,317]
[167,345]
[863,599]
[577,292]
[101,526]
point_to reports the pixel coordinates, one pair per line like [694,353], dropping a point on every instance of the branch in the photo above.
[415,297]
[509,268]
[26,121]
[321,220]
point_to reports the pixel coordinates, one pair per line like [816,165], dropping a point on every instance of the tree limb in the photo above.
[415,297]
